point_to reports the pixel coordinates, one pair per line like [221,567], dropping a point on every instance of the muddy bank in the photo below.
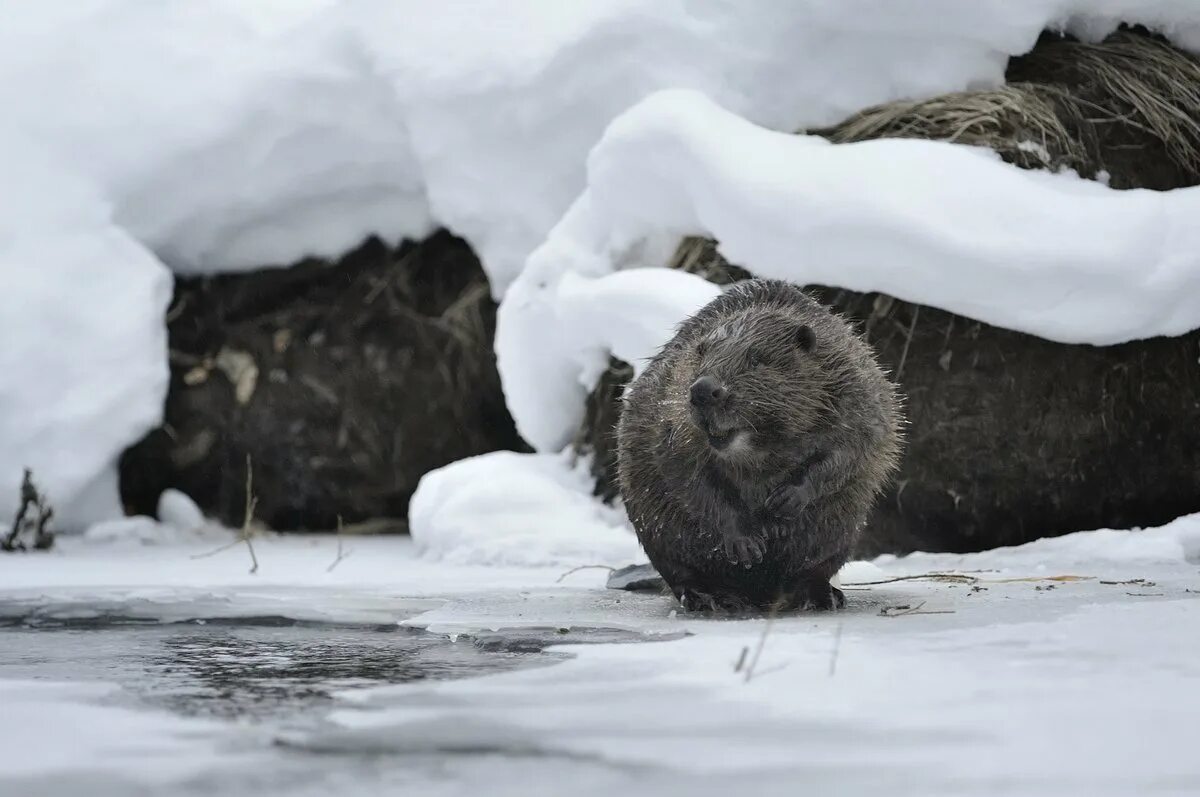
[344,382]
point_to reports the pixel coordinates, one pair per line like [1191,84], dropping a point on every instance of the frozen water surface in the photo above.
[1067,666]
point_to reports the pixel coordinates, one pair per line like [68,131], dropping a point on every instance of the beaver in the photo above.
[752,447]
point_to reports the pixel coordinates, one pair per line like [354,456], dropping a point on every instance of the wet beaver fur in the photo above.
[752,447]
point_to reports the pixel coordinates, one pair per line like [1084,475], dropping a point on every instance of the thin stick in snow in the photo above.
[251,502]
[559,580]
[954,578]
[904,610]
[247,519]
[762,641]
[340,555]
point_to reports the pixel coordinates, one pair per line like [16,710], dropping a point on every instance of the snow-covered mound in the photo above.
[227,134]
[83,358]
[518,509]
[933,223]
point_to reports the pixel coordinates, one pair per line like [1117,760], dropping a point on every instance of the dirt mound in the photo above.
[344,382]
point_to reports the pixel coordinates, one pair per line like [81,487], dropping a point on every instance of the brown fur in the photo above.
[749,488]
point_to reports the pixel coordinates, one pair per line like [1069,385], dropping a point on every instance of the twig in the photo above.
[951,577]
[559,580]
[1037,578]
[741,662]
[837,644]
[246,531]
[251,502]
[908,340]
[236,541]
[762,641]
[31,497]
[901,611]
[960,578]
[43,539]
[780,666]
[340,555]
[175,312]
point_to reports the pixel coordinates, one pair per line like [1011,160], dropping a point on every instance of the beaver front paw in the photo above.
[694,599]
[744,550]
[789,500]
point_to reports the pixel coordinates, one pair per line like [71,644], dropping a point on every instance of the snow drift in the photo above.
[229,135]
[83,364]
[518,509]
[928,222]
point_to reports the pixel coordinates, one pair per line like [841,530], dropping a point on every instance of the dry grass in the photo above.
[1019,121]
[1069,105]
[1139,81]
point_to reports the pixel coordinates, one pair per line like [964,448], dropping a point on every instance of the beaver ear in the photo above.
[805,338]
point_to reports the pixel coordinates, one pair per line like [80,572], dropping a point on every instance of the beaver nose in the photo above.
[707,391]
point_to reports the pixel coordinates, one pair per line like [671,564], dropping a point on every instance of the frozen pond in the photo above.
[258,668]
[1070,666]
[253,682]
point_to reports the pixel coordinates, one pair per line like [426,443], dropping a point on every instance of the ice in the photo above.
[1062,668]
[111,747]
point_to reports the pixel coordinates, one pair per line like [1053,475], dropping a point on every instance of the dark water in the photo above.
[259,676]
[262,667]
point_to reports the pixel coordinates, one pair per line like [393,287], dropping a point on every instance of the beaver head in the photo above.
[753,384]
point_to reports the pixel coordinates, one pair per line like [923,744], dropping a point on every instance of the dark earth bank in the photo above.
[344,382]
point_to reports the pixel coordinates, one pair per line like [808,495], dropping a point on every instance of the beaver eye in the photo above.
[805,338]
[755,359]
[702,348]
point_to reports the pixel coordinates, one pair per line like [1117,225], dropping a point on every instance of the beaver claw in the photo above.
[744,550]
[789,500]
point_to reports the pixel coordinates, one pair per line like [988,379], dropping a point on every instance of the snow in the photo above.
[934,223]
[84,358]
[176,509]
[518,509]
[105,740]
[1017,682]
[322,122]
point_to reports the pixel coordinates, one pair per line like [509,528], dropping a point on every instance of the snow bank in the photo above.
[1177,542]
[518,509]
[934,223]
[83,363]
[227,134]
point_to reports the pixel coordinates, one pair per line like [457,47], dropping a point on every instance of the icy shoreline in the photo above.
[1060,667]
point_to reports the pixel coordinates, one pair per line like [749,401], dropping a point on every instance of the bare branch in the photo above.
[340,556]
